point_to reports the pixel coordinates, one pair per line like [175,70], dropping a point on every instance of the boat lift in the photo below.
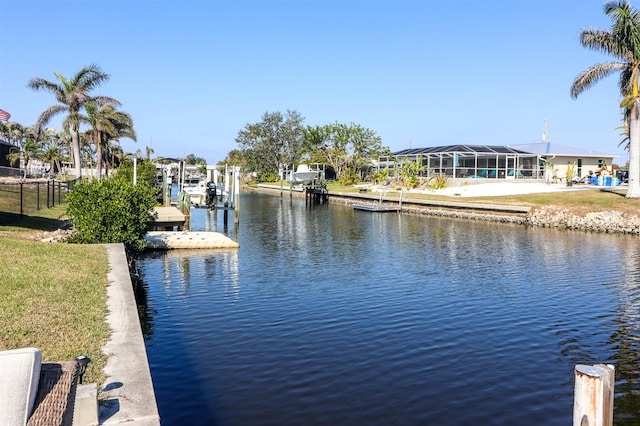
[310,177]
[215,196]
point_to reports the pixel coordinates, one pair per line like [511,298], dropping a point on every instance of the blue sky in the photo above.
[193,73]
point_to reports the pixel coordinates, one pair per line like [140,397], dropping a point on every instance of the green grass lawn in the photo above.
[52,295]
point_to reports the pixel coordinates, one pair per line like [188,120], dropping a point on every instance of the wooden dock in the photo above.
[169,217]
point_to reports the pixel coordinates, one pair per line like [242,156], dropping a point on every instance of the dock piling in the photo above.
[593,397]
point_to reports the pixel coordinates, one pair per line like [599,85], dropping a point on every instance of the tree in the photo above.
[114,155]
[272,143]
[234,157]
[106,124]
[348,149]
[14,133]
[28,150]
[114,210]
[72,95]
[145,171]
[53,150]
[623,43]
[194,160]
[625,136]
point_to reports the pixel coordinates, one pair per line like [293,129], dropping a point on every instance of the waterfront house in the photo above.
[526,161]
[557,157]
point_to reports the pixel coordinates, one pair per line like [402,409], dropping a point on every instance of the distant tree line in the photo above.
[282,141]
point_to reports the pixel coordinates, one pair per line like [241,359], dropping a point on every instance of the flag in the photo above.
[4,115]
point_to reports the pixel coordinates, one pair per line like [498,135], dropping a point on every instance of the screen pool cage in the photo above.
[469,161]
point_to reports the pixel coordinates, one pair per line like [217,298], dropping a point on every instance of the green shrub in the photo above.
[269,176]
[438,182]
[348,177]
[111,211]
[380,176]
[145,170]
[412,181]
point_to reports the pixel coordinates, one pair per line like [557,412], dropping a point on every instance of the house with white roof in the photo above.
[557,157]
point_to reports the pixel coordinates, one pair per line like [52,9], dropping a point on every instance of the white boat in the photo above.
[303,175]
[198,192]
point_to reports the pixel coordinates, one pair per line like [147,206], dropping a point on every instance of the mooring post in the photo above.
[593,398]
[236,203]
[207,222]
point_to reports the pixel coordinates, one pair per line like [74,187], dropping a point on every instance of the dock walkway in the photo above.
[168,217]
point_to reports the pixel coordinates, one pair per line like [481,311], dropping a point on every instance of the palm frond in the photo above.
[592,75]
[606,42]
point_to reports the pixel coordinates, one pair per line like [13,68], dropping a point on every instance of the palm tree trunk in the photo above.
[77,161]
[633,190]
[99,160]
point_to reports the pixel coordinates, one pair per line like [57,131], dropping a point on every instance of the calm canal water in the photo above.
[329,316]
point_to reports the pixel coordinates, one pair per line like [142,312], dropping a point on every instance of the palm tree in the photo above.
[53,150]
[28,149]
[107,123]
[625,136]
[86,149]
[113,155]
[623,43]
[16,133]
[72,94]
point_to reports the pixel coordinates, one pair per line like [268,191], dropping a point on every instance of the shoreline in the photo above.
[611,221]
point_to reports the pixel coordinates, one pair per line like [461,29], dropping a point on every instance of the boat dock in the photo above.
[165,240]
[168,217]
[376,207]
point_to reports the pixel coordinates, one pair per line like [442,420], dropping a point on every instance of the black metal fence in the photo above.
[26,197]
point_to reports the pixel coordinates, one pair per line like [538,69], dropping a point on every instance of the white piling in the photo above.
[236,194]
[593,397]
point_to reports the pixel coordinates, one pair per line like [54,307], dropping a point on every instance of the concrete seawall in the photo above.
[128,395]
[460,209]
[546,217]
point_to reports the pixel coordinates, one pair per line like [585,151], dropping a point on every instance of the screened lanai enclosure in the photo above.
[470,161]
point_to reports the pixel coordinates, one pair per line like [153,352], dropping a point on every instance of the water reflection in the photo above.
[626,338]
[330,316]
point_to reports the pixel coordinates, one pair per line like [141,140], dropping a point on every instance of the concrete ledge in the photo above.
[85,411]
[128,390]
